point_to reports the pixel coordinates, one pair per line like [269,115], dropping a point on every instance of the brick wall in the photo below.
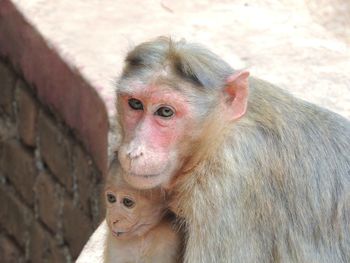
[49,185]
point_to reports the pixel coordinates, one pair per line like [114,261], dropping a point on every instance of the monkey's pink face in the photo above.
[129,214]
[154,120]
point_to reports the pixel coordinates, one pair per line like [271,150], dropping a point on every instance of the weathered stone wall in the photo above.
[49,185]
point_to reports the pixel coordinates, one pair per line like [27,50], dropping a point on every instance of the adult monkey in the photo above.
[258,178]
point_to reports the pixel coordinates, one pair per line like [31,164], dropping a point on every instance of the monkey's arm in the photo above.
[93,250]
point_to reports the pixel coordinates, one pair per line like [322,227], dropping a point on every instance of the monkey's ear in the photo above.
[236,94]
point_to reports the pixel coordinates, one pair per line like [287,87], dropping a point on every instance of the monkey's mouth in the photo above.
[137,230]
[118,234]
[121,234]
[143,181]
[143,175]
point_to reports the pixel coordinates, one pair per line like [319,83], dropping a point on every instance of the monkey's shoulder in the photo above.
[275,103]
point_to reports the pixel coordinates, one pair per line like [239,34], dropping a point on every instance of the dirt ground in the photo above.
[300,45]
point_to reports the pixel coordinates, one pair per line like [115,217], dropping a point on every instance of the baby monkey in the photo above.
[137,228]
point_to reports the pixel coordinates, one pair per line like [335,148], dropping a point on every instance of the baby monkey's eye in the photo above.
[111,198]
[128,202]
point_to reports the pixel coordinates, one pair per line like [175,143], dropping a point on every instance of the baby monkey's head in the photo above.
[131,212]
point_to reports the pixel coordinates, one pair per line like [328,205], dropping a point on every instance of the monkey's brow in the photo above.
[125,93]
[125,90]
[171,83]
[161,82]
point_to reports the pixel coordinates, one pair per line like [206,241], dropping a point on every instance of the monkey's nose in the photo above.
[116,221]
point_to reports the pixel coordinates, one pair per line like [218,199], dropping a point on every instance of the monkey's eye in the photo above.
[128,202]
[165,112]
[111,198]
[135,104]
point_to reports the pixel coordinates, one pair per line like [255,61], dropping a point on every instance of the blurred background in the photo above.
[59,60]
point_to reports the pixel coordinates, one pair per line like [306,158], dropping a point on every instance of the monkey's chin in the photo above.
[144,181]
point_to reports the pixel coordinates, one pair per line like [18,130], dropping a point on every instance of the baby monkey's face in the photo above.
[129,213]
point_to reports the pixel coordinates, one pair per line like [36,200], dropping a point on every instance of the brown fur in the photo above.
[273,186]
[160,243]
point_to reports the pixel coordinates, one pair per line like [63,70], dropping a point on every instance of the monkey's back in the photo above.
[302,165]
